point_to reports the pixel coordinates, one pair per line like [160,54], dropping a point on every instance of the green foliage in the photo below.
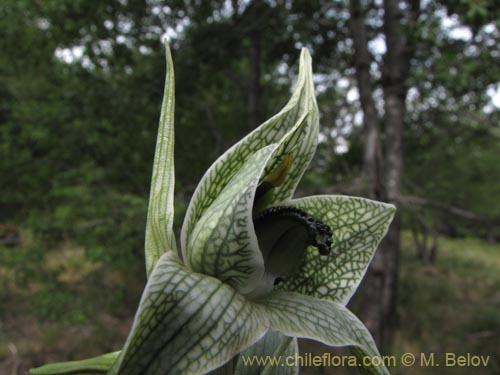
[461,153]
[22,264]
[75,131]
[76,138]
[52,304]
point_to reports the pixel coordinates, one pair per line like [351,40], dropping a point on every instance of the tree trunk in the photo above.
[394,75]
[254,79]
[373,282]
[378,302]
[362,61]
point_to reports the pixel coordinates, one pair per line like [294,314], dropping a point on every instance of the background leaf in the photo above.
[101,363]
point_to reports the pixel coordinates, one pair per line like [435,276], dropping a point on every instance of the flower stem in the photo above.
[269,369]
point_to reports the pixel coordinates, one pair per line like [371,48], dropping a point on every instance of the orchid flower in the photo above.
[254,260]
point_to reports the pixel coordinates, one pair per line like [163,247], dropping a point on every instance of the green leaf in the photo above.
[159,228]
[187,323]
[331,323]
[272,131]
[273,344]
[101,363]
[223,243]
[358,226]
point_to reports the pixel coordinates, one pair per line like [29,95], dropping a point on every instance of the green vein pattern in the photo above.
[298,315]
[159,228]
[187,323]
[272,131]
[223,243]
[358,226]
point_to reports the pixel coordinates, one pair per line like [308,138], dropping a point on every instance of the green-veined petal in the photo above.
[100,363]
[358,226]
[159,228]
[187,323]
[272,131]
[223,243]
[273,345]
[301,145]
[298,315]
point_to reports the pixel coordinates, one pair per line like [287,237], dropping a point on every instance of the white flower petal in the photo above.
[358,226]
[298,315]
[159,228]
[188,323]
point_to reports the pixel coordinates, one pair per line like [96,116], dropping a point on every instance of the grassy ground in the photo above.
[61,307]
[452,306]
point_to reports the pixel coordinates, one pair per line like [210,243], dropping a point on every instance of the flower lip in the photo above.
[320,234]
[323,238]
[284,233]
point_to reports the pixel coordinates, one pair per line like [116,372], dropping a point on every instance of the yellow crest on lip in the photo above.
[278,176]
[265,193]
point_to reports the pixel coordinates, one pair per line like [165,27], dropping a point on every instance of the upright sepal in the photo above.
[272,131]
[187,323]
[301,145]
[358,225]
[159,228]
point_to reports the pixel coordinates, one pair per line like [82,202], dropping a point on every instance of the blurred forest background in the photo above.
[409,96]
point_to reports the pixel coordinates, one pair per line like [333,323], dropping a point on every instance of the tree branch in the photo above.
[453,210]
